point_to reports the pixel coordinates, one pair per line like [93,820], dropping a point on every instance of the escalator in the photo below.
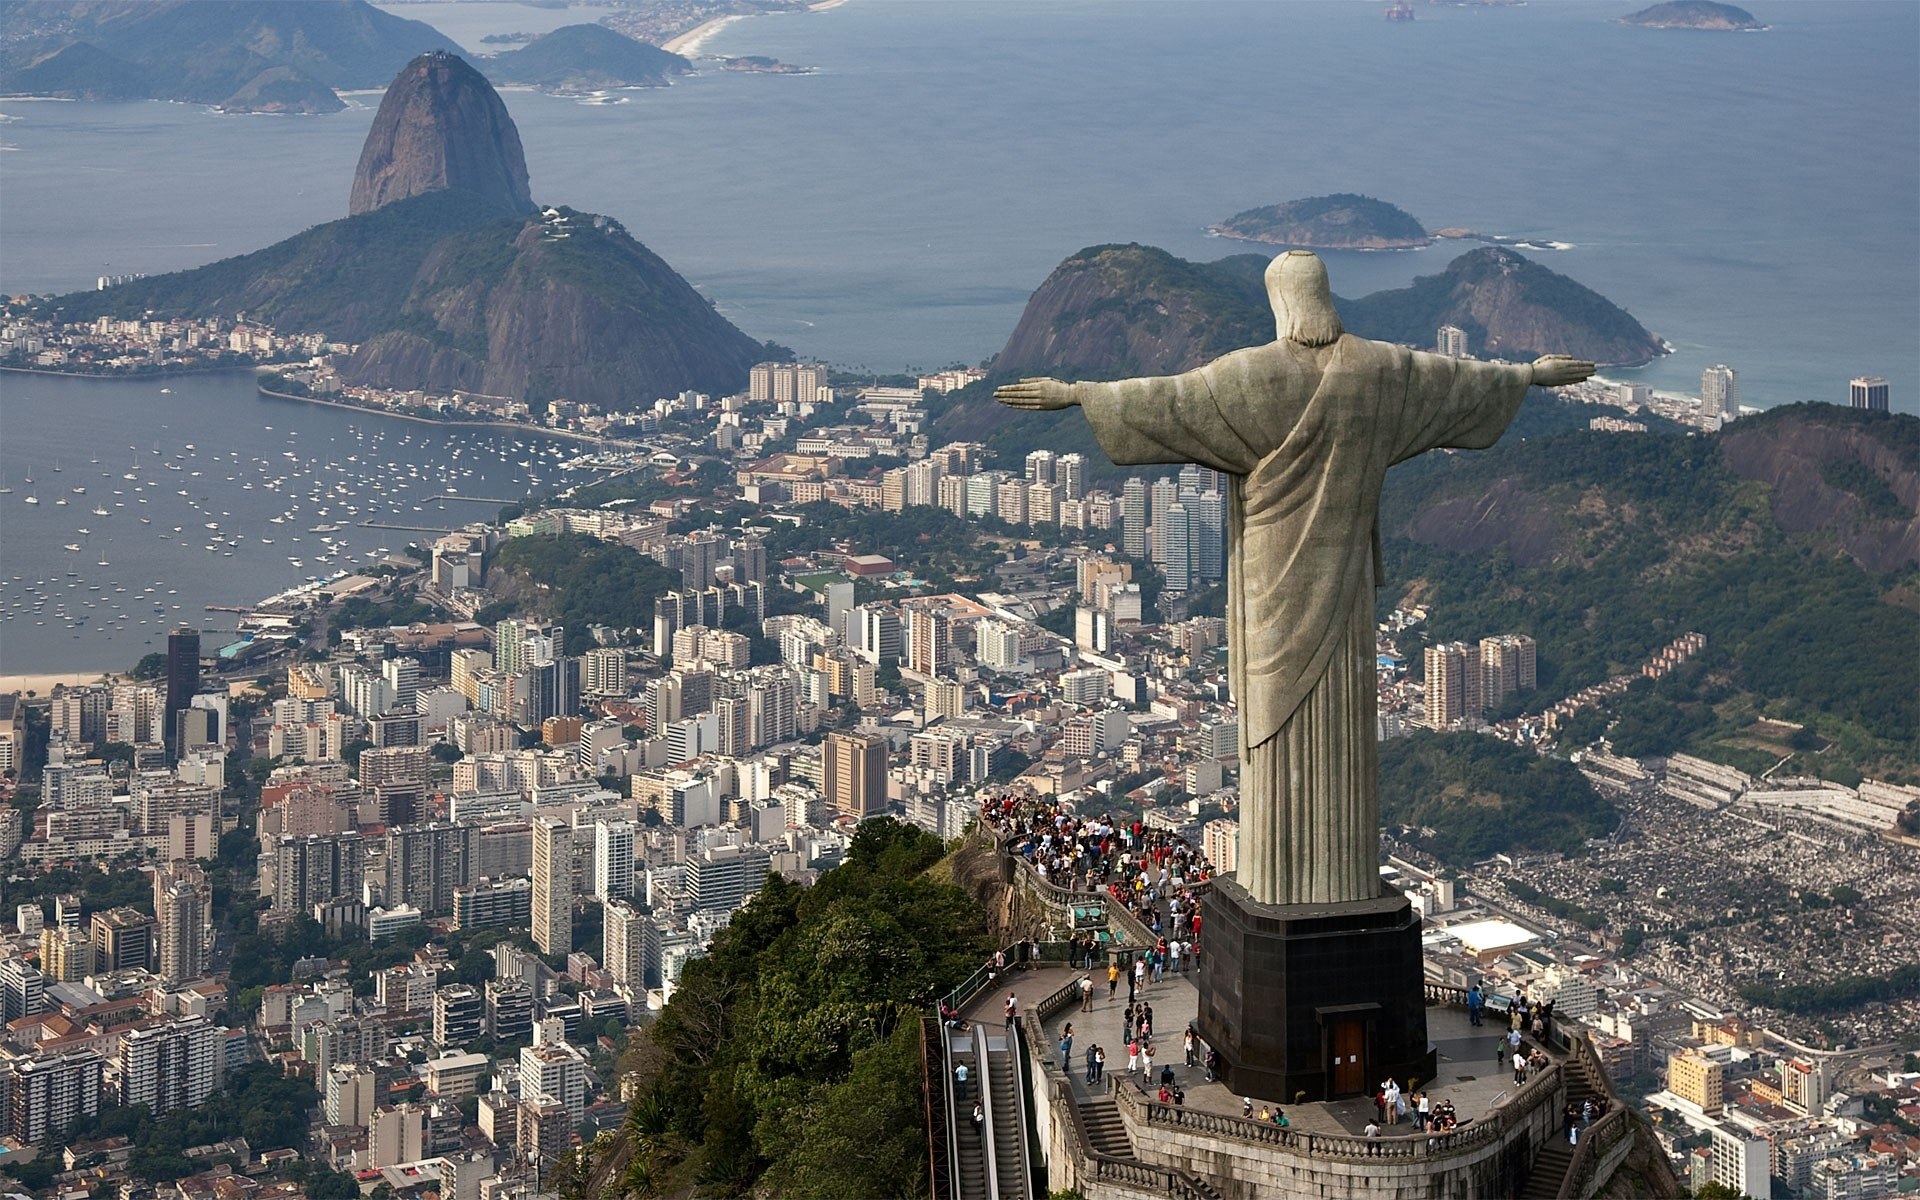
[1005,1121]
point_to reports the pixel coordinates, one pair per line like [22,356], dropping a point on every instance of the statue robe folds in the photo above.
[1308,450]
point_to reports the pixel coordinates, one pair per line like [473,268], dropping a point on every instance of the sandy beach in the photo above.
[41,685]
[689,43]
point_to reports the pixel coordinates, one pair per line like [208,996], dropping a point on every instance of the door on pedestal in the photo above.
[1349,1054]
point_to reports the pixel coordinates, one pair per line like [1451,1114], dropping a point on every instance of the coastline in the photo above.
[162,373]
[688,44]
[42,683]
[541,430]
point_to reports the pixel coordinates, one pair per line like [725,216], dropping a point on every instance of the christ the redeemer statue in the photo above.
[1306,427]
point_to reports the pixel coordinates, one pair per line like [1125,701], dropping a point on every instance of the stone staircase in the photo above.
[1551,1164]
[1106,1132]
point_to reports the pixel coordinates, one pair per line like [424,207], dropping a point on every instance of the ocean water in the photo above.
[211,494]
[1750,197]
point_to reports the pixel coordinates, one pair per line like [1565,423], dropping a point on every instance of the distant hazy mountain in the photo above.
[447,277]
[586,58]
[244,55]
[1342,221]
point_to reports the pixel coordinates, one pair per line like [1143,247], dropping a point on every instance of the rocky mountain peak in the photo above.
[442,127]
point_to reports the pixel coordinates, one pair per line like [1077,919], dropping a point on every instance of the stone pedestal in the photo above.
[1326,999]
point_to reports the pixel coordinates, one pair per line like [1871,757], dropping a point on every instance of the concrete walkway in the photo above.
[1468,1074]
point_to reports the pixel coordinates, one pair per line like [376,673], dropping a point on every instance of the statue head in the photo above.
[1302,300]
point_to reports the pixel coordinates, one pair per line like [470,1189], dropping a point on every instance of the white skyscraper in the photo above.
[1133,518]
[1451,341]
[1176,547]
[552,887]
[624,945]
[613,860]
[1720,392]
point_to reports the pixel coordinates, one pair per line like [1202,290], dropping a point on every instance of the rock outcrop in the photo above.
[1833,471]
[447,279]
[566,305]
[1110,312]
[1511,307]
[442,127]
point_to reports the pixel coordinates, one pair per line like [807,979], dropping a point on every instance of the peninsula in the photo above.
[1342,221]
[448,277]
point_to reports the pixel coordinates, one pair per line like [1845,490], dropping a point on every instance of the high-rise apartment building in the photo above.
[1696,1078]
[1040,466]
[1176,546]
[402,677]
[1070,476]
[1869,392]
[553,887]
[23,989]
[877,633]
[613,860]
[605,671]
[1508,664]
[929,640]
[1451,341]
[183,680]
[318,867]
[725,876]
[173,1065]
[1720,392]
[183,907]
[1220,842]
[1453,684]
[66,953]
[555,1073]
[856,773]
[1207,516]
[623,946]
[426,863]
[1133,518]
[46,1093]
[125,939]
[459,1015]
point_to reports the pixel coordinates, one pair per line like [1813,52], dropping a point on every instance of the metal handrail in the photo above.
[988,1142]
[933,1048]
[1019,1061]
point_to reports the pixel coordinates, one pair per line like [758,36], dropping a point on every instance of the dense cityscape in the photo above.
[484,717]
[436,869]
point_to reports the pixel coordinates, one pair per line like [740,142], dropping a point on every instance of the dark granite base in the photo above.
[1326,1000]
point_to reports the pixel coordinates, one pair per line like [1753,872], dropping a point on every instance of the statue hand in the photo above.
[1036,395]
[1558,370]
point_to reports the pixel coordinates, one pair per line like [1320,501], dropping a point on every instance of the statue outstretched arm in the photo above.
[1155,419]
[1466,404]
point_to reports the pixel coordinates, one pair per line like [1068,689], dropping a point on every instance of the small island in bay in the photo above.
[1694,14]
[1342,221]
[760,64]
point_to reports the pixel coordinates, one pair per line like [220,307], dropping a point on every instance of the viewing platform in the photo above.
[1116,1138]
